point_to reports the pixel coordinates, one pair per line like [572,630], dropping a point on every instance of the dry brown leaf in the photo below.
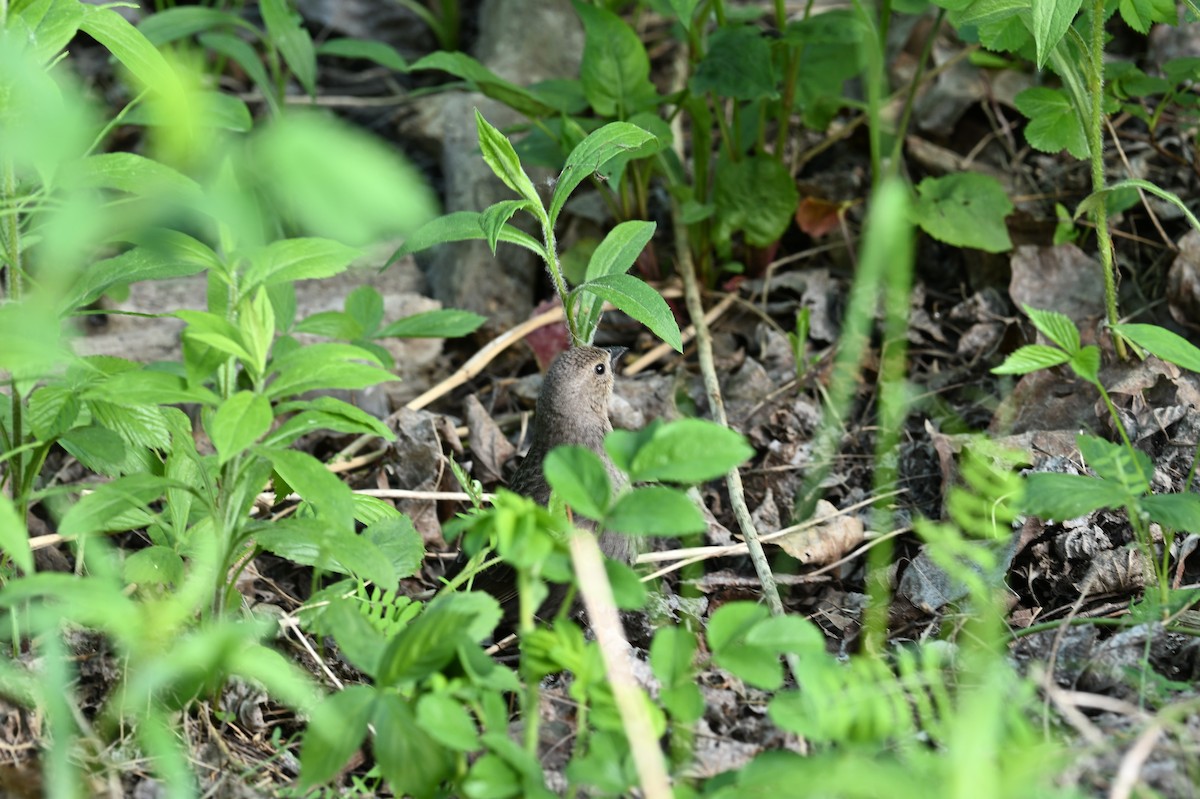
[826,541]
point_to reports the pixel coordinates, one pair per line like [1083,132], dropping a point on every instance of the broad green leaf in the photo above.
[616,70]
[1051,19]
[336,729]
[429,642]
[965,209]
[755,195]
[1086,364]
[1163,344]
[238,423]
[353,188]
[49,25]
[488,83]
[614,255]
[155,565]
[400,542]
[325,365]
[600,147]
[118,505]
[1130,469]
[328,545]
[369,50]
[579,478]
[358,639]
[325,413]
[1030,358]
[640,301]
[132,266]
[684,11]
[288,34]
[655,510]
[1140,14]
[689,451]
[1060,497]
[135,174]
[444,323]
[1055,326]
[146,386]
[414,762]
[671,657]
[288,260]
[97,448]
[460,226]
[499,154]
[140,425]
[1054,125]
[331,324]
[53,409]
[172,24]
[365,304]
[727,630]
[131,47]
[318,486]
[443,718]
[737,65]
[1180,512]
[215,331]
[14,538]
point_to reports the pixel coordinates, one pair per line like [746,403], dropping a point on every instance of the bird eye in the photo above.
[599,368]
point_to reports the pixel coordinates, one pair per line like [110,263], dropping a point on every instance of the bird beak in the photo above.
[615,353]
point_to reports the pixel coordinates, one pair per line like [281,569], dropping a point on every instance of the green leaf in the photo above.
[369,50]
[655,510]
[737,65]
[600,147]
[135,174]
[118,505]
[336,729]
[499,154]
[288,260]
[156,565]
[1163,344]
[14,538]
[430,641]
[579,478]
[640,301]
[96,448]
[360,642]
[353,188]
[140,425]
[1055,326]
[215,331]
[965,209]
[443,718]
[131,47]
[49,25]
[615,71]
[488,83]
[1051,19]
[400,542]
[689,451]
[245,56]
[53,410]
[494,219]
[327,543]
[1140,14]
[614,256]
[1068,496]
[318,486]
[288,34]
[1086,364]
[331,324]
[1122,466]
[172,24]
[413,761]
[445,323]
[671,657]
[1054,125]
[325,365]
[132,266]
[1180,512]
[461,226]
[727,630]
[1030,358]
[238,423]
[1144,185]
[755,195]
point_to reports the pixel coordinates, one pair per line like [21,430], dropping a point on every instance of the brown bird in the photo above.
[572,408]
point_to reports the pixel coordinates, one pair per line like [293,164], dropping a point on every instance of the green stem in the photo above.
[556,277]
[1096,153]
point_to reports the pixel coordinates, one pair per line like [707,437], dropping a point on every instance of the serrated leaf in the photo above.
[1055,326]
[1086,364]
[52,411]
[635,298]
[1030,358]
[326,543]
[430,641]
[1141,14]
[499,154]
[579,478]
[965,209]
[600,146]
[288,260]
[1130,469]
[140,425]
[1054,124]
[655,510]
[1180,512]
[460,226]
[238,423]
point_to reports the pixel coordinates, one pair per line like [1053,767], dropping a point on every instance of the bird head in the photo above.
[579,382]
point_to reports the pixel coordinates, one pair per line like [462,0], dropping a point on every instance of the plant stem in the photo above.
[560,284]
[1096,153]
